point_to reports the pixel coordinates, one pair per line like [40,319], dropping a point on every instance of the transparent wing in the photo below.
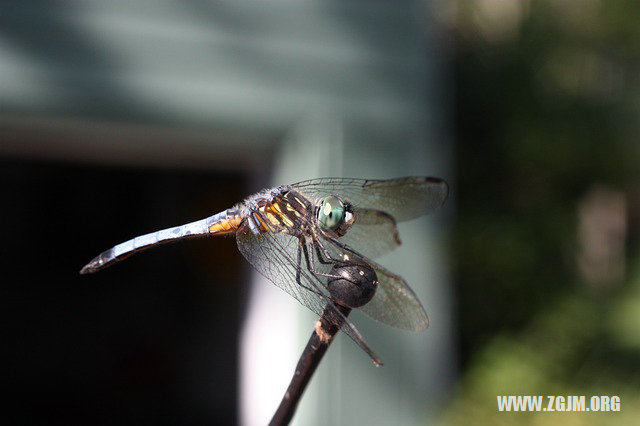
[394,303]
[403,198]
[373,234]
[275,256]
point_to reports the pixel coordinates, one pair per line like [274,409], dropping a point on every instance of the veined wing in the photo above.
[395,303]
[374,233]
[275,256]
[403,198]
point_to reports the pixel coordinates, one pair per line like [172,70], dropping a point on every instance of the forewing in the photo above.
[275,257]
[403,198]
[373,234]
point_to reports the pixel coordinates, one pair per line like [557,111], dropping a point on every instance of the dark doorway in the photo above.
[152,340]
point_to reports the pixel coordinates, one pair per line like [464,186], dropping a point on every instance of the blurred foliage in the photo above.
[547,108]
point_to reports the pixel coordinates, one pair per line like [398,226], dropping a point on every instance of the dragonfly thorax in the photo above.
[283,210]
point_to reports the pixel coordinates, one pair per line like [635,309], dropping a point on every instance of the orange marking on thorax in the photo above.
[272,218]
[275,207]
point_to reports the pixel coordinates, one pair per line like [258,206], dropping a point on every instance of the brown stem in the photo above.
[326,328]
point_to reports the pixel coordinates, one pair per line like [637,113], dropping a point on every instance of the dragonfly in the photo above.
[316,239]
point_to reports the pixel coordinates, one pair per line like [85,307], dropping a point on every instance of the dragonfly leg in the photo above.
[326,252]
[321,259]
[299,268]
[309,258]
[330,260]
[260,220]
[342,246]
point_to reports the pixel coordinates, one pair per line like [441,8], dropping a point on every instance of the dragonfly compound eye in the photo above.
[331,213]
[354,286]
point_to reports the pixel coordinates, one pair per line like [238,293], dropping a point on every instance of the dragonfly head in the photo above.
[335,214]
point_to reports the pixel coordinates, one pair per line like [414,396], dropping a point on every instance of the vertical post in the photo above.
[326,328]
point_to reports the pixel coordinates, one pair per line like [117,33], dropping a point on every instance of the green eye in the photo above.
[331,213]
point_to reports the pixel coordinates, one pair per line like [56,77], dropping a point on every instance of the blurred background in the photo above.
[124,117]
